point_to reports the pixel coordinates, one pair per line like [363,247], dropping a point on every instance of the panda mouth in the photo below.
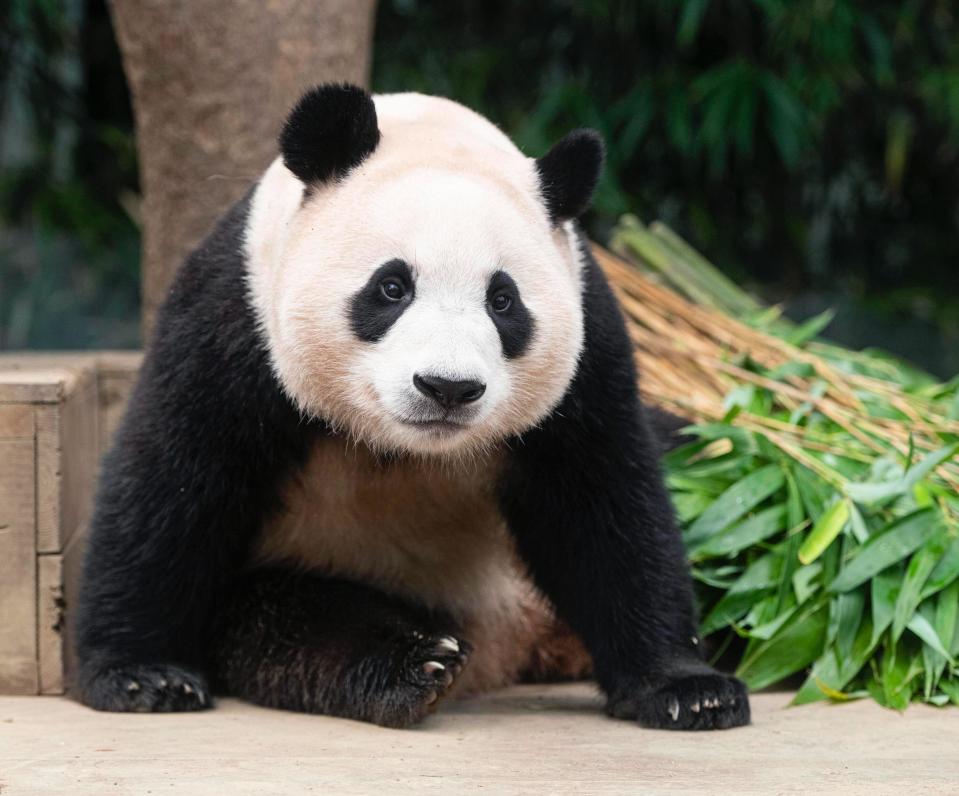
[439,425]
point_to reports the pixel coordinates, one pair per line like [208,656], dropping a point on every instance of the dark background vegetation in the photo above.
[808,147]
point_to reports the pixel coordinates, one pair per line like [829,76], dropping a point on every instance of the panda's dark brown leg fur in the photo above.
[320,645]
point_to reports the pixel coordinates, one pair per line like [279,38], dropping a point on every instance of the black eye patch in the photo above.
[505,307]
[376,307]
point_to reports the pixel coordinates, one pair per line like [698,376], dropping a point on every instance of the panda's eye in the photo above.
[501,302]
[392,289]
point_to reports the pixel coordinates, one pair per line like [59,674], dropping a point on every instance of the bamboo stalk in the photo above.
[693,349]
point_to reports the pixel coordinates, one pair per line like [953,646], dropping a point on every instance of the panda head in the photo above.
[416,277]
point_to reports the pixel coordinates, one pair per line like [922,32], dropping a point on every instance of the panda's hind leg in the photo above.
[305,642]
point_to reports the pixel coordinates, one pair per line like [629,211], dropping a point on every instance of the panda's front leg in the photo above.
[306,642]
[599,539]
[585,500]
[195,466]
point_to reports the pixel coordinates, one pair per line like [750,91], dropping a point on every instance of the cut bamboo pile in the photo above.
[693,353]
[819,494]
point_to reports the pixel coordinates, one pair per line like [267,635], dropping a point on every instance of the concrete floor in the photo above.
[530,739]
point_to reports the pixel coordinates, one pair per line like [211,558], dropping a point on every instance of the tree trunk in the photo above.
[212,81]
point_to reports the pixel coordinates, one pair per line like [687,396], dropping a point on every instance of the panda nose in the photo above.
[449,393]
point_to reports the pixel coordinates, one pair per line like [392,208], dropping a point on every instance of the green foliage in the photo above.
[875,616]
[820,538]
[68,248]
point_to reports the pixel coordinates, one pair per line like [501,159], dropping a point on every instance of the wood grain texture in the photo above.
[49,446]
[67,452]
[72,566]
[48,477]
[36,385]
[50,623]
[18,569]
[16,421]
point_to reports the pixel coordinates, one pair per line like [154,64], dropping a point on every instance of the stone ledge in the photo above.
[524,740]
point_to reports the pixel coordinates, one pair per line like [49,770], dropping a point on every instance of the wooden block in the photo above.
[117,373]
[67,454]
[16,421]
[50,621]
[48,477]
[18,569]
[51,406]
[71,569]
[34,378]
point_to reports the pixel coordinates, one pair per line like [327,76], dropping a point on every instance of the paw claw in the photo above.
[694,698]
[449,644]
[144,688]
[674,709]
[428,664]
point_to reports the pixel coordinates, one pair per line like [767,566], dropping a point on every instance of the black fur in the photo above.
[331,130]
[314,644]
[585,500]
[193,471]
[515,325]
[667,427]
[569,172]
[371,312]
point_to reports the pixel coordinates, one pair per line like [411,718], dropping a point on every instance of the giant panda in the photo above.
[387,446]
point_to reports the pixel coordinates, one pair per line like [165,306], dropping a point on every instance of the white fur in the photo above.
[448,193]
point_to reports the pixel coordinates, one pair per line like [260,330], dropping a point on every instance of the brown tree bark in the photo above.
[211,82]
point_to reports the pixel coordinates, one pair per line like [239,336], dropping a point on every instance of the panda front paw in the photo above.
[145,688]
[700,699]
[426,666]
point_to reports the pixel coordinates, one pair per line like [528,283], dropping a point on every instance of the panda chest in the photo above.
[430,532]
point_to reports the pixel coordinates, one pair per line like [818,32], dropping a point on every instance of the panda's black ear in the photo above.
[331,130]
[568,174]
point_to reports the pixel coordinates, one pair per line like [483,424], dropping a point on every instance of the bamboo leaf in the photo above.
[951,689]
[835,676]
[797,645]
[900,666]
[921,627]
[848,617]
[803,581]
[811,328]
[899,540]
[872,492]
[690,505]
[857,524]
[884,592]
[947,616]
[735,502]
[921,564]
[826,529]
[946,571]
[738,537]
[814,492]
[758,578]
